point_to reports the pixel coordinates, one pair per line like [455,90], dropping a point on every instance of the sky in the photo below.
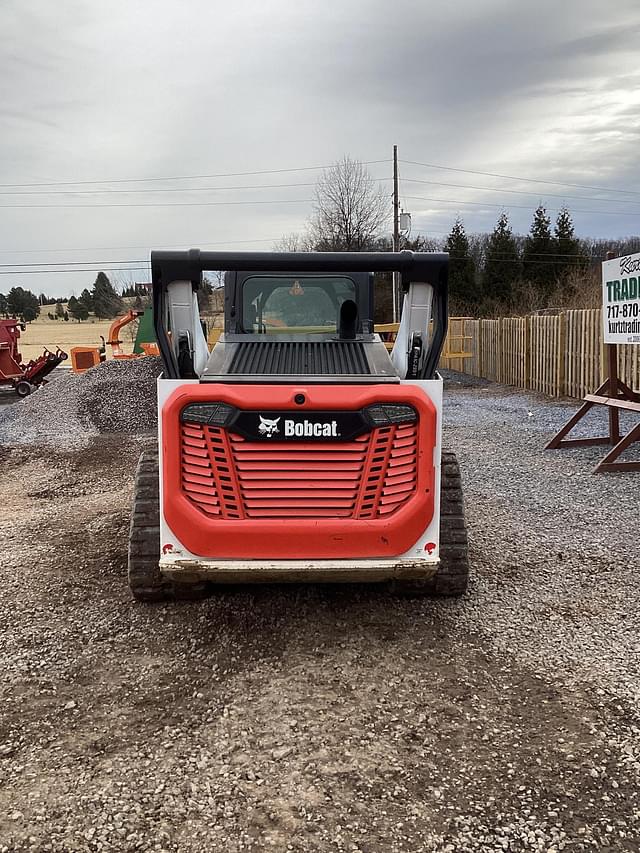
[139,124]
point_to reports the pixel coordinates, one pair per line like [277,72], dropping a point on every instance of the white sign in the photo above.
[621,300]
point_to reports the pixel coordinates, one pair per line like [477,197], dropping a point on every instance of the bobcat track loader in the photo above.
[299,449]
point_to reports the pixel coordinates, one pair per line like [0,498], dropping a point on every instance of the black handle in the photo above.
[188,265]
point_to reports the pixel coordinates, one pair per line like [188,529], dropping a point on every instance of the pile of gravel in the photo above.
[114,397]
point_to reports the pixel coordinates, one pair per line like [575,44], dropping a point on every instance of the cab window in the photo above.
[276,305]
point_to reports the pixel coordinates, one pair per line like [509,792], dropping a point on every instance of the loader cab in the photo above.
[299,316]
[298,303]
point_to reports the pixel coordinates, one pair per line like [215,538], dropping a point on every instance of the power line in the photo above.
[146,261]
[53,272]
[525,180]
[158,204]
[518,260]
[124,265]
[175,189]
[521,192]
[72,263]
[155,204]
[518,206]
[160,189]
[203,243]
[579,263]
[180,177]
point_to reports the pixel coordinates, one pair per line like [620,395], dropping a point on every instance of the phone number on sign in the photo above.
[628,311]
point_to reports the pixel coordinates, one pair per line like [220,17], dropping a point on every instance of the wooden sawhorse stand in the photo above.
[615,395]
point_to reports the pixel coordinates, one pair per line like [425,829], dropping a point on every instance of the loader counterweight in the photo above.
[237,492]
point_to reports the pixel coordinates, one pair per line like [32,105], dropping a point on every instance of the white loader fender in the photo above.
[428,545]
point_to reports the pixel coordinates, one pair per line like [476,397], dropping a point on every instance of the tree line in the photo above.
[102,300]
[500,272]
[489,272]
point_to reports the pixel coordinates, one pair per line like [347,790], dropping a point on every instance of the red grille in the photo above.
[228,477]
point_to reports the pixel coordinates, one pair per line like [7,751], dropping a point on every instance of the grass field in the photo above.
[44,332]
[52,333]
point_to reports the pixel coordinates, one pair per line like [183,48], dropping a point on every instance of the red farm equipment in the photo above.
[23,378]
[299,449]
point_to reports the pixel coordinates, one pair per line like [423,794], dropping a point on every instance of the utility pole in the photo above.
[396,235]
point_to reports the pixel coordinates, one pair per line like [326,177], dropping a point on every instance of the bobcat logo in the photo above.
[268,427]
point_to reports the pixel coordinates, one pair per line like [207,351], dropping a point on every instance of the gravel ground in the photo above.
[327,718]
[115,396]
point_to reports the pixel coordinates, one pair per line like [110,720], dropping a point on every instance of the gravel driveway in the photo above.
[328,718]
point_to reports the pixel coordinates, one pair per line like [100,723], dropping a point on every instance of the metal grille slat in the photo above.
[292,358]
[370,477]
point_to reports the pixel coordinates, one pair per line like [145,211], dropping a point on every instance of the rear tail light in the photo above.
[212,414]
[385,414]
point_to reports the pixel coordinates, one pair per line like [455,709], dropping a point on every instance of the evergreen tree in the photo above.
[569,255]
[22,303]
[502,266]
[106,302]
[78,309]
[4,308]
[59,310]
[539,253]
[87,299]
[462,270]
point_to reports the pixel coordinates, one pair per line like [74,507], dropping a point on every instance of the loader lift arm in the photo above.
[419,272]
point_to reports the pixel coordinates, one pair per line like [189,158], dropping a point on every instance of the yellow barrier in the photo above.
[455,349]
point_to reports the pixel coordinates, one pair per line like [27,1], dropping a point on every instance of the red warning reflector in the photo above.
[430,547]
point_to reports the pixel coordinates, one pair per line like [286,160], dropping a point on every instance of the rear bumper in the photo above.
[294,571]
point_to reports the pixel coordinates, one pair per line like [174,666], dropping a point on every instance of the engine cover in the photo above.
[298,472]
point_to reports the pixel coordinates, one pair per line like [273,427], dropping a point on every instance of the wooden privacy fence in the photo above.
[559,354]
[456,345]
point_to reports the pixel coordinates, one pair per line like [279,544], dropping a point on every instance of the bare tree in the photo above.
[293,242]
[349,209]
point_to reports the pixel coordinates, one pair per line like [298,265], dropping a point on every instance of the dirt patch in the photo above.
[288,718]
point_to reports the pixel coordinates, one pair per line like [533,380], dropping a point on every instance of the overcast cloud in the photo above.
[95,91]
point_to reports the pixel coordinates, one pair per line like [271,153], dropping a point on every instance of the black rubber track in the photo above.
[145,580]
[453,572]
